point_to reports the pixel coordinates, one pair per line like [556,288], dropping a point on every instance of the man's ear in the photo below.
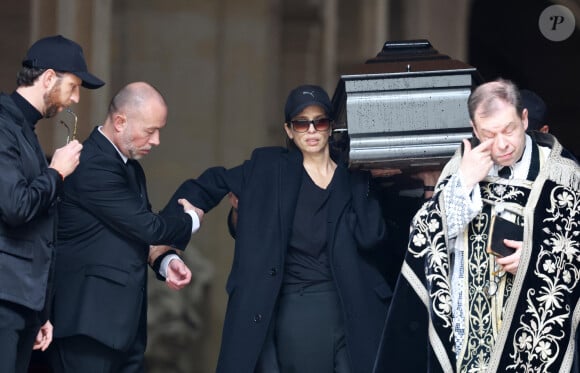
[48,78]
[119,121]
[525,118]
[474,130]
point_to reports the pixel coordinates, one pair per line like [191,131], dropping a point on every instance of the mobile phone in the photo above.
[501,228]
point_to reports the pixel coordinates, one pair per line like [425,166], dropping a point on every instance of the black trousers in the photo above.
[18,329]
[80,353]
[84,354]
[308,334]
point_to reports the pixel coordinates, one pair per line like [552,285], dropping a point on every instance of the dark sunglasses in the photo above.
[302,125]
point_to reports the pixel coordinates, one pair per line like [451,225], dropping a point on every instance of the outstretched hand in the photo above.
[187,206]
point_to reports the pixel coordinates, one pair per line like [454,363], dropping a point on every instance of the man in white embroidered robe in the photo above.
[487,313]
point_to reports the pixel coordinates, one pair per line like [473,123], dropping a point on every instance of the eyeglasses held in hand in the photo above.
[491,287]
[74,132]
[303,125]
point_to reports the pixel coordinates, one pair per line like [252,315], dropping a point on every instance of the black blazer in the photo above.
[267,186]
[28,197]
[104,232]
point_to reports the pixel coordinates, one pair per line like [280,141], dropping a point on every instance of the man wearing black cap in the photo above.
[48,82]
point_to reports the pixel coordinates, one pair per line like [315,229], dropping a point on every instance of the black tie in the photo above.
[505,172]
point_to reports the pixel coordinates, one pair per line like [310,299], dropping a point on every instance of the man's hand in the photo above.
[385,172]
[44,337]
[233,216]
[178,275]
[189,207]
[66,159]
[429,179]
[233,200]
[476,162]
[511,262]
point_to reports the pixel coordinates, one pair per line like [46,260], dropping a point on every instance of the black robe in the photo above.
[540,315]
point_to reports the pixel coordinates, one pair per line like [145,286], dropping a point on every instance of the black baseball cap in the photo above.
[63,55]
[303,96]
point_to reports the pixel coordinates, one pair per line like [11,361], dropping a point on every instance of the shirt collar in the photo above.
[123,157]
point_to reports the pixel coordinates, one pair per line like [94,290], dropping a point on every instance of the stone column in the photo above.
[362,31]
[443,23]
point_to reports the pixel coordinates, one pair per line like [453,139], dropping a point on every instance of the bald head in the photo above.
[136,114]
[134,98]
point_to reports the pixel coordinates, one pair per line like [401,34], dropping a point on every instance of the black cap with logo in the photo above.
[303,96]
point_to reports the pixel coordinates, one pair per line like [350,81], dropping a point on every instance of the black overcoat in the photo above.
[267,186]
[28,212]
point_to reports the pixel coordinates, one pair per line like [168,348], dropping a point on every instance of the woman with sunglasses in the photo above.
[304,294]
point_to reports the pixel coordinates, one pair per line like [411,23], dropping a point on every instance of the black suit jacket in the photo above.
[104,234]
[28,197]
[267,186]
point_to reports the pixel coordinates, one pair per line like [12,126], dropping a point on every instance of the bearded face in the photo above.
[64,92]
[52,100]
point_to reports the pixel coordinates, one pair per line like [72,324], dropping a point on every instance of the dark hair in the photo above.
[27,75]
[487,94]
[289,142]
